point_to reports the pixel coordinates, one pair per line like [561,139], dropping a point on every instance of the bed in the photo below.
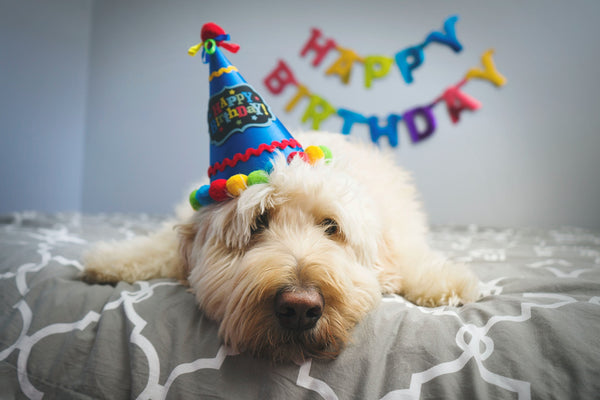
[535,333]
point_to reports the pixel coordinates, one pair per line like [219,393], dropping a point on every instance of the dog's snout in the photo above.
[299,309]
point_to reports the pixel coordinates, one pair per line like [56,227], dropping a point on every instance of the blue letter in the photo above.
[448,38]
[391,130]
[416,53]
[350,117]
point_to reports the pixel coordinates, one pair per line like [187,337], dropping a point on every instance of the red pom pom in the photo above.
[300,154]
[210,30]
[218,190]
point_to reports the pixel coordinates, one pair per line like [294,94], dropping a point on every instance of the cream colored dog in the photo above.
[289,267]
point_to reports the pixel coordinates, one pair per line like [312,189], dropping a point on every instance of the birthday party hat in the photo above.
[245,135]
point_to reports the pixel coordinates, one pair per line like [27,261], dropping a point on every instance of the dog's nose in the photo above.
[299,309]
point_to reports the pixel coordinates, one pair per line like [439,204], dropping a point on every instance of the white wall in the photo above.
[43,81]
[528,157]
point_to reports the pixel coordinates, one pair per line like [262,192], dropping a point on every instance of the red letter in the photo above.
[241,110]
[217,108]
[320,49]
[281,76]
[457,101]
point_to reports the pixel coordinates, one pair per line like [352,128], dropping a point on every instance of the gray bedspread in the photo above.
[535,333]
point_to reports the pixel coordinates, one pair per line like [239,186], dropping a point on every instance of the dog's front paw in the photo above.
[452,299]
[461,298]
[449,287]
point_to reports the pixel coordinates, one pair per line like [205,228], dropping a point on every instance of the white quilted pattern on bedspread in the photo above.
[533,335]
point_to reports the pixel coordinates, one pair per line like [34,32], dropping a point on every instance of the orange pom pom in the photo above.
[314,153]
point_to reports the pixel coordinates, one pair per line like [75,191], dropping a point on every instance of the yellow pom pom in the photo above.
[315,153]
[237,184]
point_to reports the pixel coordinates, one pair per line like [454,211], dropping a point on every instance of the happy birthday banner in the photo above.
[376,67]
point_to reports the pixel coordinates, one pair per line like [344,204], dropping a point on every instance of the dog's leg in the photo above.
[427,278]
[438,281]
[141,258]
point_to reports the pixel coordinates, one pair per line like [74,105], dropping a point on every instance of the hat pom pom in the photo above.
[210,30]
[312,154]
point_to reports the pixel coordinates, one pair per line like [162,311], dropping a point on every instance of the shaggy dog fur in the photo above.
[348,230]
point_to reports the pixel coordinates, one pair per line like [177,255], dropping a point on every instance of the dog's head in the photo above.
[288,267]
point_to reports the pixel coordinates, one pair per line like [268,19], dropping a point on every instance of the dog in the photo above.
[289,267]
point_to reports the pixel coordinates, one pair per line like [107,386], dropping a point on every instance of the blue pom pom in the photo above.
[202,196]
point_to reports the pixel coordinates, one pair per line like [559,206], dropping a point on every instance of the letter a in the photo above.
[457,102]
[343,65]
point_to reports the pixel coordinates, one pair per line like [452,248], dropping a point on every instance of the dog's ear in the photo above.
[246,215]
[187,236]
[218,223]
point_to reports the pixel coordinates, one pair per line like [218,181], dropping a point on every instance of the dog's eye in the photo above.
[331,226]
[260,223]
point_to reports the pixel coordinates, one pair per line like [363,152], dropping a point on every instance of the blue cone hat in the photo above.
[245,135]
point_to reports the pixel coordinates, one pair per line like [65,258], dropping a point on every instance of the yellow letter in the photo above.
[318,110]
[376,67]
[489,71]
[343,65]
[300,93]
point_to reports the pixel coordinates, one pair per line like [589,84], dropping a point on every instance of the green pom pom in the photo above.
[194,201]
[327,152]
[258,176]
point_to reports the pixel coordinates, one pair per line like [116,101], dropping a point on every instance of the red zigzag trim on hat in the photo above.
[229,162]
